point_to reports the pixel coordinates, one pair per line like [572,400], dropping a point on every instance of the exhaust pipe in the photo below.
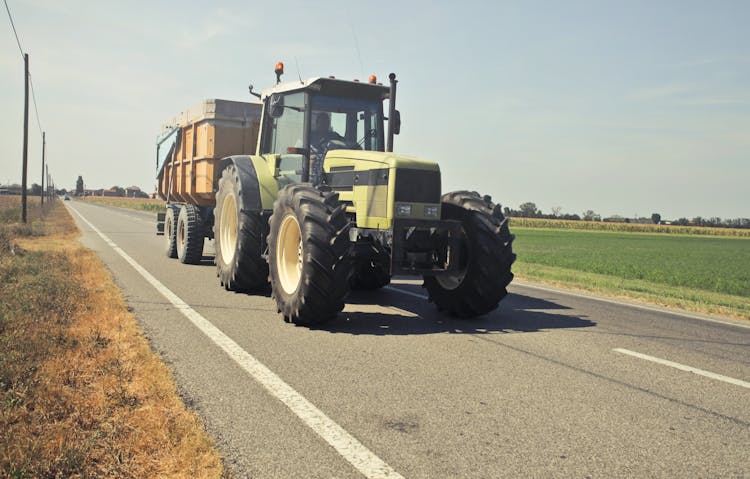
[391,111]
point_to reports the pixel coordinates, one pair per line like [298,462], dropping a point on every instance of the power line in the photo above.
[33,93]
[10,17]
[33,97]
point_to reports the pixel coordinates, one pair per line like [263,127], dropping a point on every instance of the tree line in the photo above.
[529,210]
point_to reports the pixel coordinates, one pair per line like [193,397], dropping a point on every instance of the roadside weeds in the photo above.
[81,392]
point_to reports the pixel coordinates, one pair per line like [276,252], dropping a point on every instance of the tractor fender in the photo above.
[258,186]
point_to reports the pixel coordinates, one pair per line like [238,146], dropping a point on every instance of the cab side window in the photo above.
[286,131]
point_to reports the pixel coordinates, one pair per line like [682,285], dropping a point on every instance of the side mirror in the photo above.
[396,122]
[276,106]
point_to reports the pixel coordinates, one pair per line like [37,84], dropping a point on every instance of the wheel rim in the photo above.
[169,229]
[181,233]
[228,228]
[289,254]
[453,281]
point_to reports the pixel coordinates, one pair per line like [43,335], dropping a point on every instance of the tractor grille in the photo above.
[417,186]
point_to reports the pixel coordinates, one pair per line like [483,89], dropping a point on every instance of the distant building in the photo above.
[10,190]
[135,192]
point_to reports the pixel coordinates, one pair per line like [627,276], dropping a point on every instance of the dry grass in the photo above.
[81,393]
[10,215]
[141,204]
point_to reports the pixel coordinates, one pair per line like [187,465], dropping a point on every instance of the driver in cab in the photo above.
[321,137]
[322,133]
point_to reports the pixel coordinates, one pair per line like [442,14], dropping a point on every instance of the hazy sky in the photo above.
[621,107]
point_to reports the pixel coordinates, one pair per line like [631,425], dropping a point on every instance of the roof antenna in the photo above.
[298,73]
[356,45]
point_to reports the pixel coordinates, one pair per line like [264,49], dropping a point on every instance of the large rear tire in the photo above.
[190,235]
[170,231]
[308,247]
[373,273]
[485,260]
[238,235]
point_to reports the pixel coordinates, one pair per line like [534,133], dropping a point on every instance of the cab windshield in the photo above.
[350,123]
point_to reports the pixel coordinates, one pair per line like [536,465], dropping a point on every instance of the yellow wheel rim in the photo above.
[289,254]
[228,229]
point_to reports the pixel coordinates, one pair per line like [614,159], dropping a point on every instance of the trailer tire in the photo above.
[170,231]
[190,235]
[486,258]
[238,237]
[308,247]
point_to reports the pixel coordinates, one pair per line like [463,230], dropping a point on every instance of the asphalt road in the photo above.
[549,385]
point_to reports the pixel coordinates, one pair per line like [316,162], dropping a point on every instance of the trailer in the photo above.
[188,152]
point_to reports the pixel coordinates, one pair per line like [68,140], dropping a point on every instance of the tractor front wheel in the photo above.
[308,247]
[484,262]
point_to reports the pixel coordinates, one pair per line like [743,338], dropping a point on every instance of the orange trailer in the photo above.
[192,143]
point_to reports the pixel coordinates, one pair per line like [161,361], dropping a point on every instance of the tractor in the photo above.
[325,206]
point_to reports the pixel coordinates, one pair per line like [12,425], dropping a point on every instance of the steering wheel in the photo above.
[329,143]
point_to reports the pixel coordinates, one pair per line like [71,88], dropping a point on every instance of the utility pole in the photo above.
[42,192]
[25,135]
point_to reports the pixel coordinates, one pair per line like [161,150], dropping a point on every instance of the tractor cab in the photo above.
[303,120]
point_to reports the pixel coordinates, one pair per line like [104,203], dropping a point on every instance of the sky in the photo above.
[623,108]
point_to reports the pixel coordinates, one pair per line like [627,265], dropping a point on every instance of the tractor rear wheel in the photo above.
[170,231]
[485,260]
[238,235]
[308,247]
[190,235]
[373,273]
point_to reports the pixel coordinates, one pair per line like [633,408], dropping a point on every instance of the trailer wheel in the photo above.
[485,261]
[190,235]
[170,231]
[238,235]
[308,259]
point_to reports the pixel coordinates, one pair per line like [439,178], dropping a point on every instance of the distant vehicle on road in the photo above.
[66,198]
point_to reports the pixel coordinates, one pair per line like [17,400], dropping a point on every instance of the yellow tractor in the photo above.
[320,204]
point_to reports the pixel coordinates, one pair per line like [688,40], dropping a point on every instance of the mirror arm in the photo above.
[250,87]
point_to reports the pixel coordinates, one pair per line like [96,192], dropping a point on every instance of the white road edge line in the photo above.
[682,367]
[364,460]
[409,293]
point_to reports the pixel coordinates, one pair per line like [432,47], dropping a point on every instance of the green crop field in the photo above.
[705,273]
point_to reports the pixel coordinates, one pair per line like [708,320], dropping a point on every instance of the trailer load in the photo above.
[195,140]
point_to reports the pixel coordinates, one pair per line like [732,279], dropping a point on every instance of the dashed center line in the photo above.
[683,367]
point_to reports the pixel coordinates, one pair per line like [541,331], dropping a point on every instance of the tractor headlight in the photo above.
[403,210]
[431,211]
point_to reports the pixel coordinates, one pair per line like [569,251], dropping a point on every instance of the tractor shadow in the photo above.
[386,312]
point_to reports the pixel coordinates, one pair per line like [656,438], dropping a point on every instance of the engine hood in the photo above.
[370,160]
